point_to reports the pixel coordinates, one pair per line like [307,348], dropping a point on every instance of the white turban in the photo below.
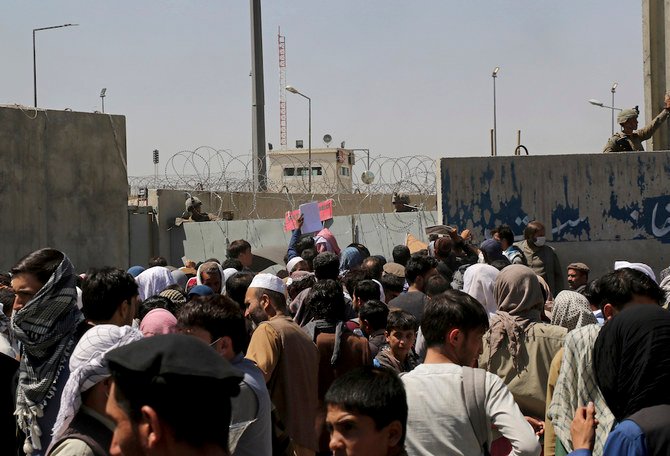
[89,367]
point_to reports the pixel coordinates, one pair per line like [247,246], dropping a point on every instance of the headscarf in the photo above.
[572,310]
[519,296]
[631,360]
[46,327]
[326,238]
[351,258]
[227,274]
[153,281]
[382,295]
[135,270]
[665,286]
[180,278]
[89,367]
[478,282]
[292,263]
[546,294]
[158,321]
[204,266]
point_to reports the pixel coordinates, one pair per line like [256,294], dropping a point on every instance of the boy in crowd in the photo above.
[373,316]
[367,413]
[400,335]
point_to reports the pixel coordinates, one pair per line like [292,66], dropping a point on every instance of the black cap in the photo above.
[174,358]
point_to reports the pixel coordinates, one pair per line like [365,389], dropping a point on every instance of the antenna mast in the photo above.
[282,88]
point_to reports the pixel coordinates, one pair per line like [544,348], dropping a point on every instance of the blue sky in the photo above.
[400,78]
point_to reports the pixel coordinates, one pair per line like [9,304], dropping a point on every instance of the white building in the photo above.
[331,169]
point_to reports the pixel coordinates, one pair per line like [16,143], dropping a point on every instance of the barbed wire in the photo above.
[219,170]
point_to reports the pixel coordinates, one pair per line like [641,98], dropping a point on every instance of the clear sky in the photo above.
[400,78]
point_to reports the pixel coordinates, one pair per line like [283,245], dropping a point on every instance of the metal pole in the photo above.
[495,132]
[613,89]
[258,97]
[34,72]
[35,56]
[493,152]
[309,145]
[103,104]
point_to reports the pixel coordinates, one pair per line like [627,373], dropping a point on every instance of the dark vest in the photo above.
[89,430]
[655,423]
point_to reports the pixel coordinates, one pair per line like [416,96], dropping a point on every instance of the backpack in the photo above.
[474,395]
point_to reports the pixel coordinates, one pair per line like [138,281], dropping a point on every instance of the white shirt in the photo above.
[438,421]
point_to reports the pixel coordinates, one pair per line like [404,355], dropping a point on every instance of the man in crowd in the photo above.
[576,385]
[578,276]
[541,258]
[109,296]
[511,251]
[82,426]
[401,254]
[149,400]
[443,419]
[419,269]
[287,357]
[218,321]
[241,250]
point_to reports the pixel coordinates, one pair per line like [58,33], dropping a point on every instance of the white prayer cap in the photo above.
[292,262]
[637,266]
[269,282]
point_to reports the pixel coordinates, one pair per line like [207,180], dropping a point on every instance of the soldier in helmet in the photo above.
[194,210]
[401,203]
[630,138]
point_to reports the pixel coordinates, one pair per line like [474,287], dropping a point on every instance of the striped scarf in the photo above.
[45,327]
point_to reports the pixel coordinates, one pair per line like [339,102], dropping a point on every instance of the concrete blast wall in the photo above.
[63,185]
[379,232]
[253,209]
[596,208]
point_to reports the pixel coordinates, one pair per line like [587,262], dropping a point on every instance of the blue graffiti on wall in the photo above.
[629,214]
[565,220]
[656,219]
[509,213]
[652,217]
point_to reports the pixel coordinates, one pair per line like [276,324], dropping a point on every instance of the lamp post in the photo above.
[613,89]
[309,139]
[495,131]
[35,55]
[103,92]
[601,105]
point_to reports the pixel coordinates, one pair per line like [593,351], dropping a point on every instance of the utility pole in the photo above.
[258,98]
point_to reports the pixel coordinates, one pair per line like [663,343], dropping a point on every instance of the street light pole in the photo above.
[103,92]
[495,130]
[614,86]
[35,56]
[309,139]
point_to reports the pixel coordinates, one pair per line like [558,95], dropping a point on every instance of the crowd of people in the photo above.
[462,348]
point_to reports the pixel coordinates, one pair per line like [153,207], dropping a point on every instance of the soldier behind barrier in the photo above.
[630,138]
[401,203]
[194,211]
